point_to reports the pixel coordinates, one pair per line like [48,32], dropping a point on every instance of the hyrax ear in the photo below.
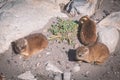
[26,43]
[86,50]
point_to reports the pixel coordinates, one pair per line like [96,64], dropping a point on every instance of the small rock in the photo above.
[58,76]
[51,67]
[76,68]
[87,72]
[66,76]
[48,53]
[59,62]
[38,64]
[27,76]
[51,75]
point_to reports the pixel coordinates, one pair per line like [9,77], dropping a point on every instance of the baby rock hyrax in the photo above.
[30,44]
[87,34]
[96,53]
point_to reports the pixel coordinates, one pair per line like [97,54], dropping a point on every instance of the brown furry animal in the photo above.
[30,44]
[96,53]
[87,34]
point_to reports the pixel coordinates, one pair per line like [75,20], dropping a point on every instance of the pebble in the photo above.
[87,72]
[38,64]
[51,67]
[27,76]
[48,53]
[76,68]
[58,76]
[67,76]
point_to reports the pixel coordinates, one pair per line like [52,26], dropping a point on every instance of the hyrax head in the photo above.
[81,52]
[19,45]
[83,19]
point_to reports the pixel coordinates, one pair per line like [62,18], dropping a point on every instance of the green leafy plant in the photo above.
[64,30]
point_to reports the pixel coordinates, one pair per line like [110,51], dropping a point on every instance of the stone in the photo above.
[19,18]
[27,76]
[109,36]
[108,30]
[51,67]
[58,76]
[38,64]
[111,20]
[67,76]
[76,68]
[48,53]
[81,7]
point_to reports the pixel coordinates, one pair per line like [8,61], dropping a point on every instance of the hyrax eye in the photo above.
[23,47]
[80,55]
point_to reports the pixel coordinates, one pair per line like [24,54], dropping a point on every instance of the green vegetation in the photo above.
[64,30]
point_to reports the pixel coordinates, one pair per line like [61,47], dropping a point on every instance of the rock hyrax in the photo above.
[97,53]
[30,44]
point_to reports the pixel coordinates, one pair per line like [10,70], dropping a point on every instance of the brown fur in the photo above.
[96,53]
[30,44]
[87,33]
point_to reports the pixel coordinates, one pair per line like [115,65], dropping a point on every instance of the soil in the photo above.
[62,55]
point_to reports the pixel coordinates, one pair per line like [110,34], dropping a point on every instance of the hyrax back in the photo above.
[87,34]
[97,53]
[30,44]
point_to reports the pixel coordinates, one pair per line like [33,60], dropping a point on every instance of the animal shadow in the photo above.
[72,55]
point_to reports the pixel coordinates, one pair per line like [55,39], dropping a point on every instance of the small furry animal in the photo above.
[95,54]
[30,44]
[87,34]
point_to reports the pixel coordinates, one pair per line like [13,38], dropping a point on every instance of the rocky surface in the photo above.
[107,30]
[21,17]
[82,7]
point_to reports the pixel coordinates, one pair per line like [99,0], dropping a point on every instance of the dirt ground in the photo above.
[62,55]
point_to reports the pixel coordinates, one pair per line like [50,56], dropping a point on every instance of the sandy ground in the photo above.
[62,56]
